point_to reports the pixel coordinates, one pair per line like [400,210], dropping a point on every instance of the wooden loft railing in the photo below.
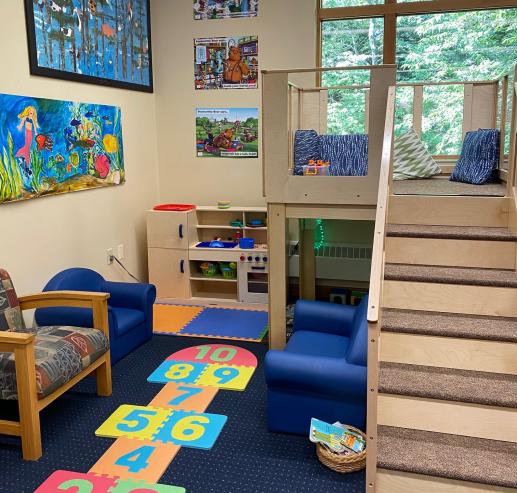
[287,109]
[376,285]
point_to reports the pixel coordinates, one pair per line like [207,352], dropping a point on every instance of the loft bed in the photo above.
[293,101]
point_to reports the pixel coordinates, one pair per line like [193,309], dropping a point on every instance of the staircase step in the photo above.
[451,275]
[483,388]
[450,232]
[501,329]
[452,457]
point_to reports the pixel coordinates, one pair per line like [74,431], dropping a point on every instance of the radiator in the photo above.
[340,261]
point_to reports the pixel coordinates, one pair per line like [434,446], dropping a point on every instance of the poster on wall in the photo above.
[226,63]
[227,132]
[50,147]
[104,42]
[224,9]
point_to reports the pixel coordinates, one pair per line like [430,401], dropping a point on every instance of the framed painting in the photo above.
[50,147]
[224,9]
[103,42]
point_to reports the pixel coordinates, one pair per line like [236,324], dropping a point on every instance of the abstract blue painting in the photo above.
[97,41]
[49,147]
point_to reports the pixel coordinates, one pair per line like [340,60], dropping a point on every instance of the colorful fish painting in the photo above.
[50,147]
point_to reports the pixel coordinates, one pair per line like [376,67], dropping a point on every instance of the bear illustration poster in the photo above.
[226,63]
[227,132]
[224,9]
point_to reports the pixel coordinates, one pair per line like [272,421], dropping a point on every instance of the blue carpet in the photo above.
[245,459]
[227,322]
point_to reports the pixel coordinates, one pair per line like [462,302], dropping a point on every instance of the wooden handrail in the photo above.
[327,69]
[377,269]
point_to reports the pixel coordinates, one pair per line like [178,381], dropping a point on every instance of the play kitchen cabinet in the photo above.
[178,267]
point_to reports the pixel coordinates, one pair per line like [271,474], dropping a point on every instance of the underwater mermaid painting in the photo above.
[28,123]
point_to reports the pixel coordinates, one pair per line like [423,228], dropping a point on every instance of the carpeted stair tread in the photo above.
[453,457]
[473,387]
[479,327]
[450,232]
[451,275]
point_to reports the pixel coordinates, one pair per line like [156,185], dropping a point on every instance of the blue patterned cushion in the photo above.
[347,154]
[479,157]
[306,147]
[11,318]
[61,353]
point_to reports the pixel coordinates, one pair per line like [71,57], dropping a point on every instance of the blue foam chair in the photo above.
[130,309]
[322,371]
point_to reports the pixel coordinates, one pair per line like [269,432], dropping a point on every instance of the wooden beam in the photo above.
[390,35]
[412,8]
[418,109]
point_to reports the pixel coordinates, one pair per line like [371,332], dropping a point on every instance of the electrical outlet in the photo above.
[109,256]
[120,251]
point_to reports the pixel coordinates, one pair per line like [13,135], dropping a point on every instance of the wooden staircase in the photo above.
[447,392]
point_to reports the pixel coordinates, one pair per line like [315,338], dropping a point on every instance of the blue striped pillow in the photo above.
[306,147]
[347,154]
[479,157]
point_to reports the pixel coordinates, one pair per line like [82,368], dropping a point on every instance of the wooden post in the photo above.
[502,124]
[418,106]
[28,401]
[277,243]
[468,96]
[512,160]
[307,262]
[103,373]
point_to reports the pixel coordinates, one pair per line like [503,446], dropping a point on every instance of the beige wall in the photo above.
[42,236]
[287,39]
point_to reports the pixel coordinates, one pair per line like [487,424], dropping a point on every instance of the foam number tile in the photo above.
[189,429]
[130,486]
[216,354]
[190,397]
[142,460]
[226,377]
[75,482]
[133,422]
[177,371]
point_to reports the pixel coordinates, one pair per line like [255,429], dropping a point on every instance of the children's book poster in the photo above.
[226,63]
[227,132]
[224,9]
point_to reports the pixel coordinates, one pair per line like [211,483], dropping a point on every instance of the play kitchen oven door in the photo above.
[253,278]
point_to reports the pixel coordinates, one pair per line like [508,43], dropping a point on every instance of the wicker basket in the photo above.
[342,463]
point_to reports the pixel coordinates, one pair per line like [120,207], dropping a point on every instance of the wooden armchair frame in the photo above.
[22,345]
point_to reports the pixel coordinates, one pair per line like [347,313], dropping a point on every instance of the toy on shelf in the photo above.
[228,270]
[247,243]
[174,207]
[316,168]
[224,204]
[236,223]
[208,269]
[256,223]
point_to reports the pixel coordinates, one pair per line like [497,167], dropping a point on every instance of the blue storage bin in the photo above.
[247,243]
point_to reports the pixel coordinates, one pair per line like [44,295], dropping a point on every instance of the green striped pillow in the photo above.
[411,159]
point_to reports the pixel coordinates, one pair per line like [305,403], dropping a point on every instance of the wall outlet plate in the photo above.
[109,256]
[120,251]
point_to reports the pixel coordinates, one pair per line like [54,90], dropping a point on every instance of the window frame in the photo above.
[390,10]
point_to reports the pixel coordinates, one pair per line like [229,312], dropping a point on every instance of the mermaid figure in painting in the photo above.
[29,124]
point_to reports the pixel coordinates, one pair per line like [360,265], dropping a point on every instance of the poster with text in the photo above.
[226,63]
[224,9]
[227,132]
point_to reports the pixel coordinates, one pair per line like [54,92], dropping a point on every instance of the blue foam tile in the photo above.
[226,322]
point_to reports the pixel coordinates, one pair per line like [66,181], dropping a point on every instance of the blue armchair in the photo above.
[130,309]
[322,371]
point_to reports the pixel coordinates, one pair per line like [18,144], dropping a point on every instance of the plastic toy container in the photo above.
[208,269]
[247,243]
[228,270]
[315,170]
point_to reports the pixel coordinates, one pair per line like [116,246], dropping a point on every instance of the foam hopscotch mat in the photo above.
[223,323]
[60,481]
[148,438]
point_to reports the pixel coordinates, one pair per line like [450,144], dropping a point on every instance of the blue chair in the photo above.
[322,371]
[130,309]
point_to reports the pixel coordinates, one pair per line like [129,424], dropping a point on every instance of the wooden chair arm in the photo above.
[78,299]
[11,340]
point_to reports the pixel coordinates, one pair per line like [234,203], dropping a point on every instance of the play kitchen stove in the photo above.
[252,274]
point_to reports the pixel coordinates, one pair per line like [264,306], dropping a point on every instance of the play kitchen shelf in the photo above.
[183,265]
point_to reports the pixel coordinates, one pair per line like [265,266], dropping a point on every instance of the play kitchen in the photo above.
[209,253]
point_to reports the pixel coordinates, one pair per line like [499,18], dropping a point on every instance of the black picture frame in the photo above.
[35,69]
